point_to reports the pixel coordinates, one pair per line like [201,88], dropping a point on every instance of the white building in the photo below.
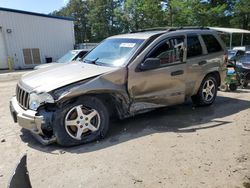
[27,39]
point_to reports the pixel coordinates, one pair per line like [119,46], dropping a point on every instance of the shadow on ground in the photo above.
[180,119]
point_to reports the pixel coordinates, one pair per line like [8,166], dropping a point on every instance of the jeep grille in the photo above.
[22,97]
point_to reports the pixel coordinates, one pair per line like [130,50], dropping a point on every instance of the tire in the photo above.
[203,97]
[224,87]
[82,121]
[232,87]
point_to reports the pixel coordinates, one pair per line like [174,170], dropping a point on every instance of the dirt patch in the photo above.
[179,146]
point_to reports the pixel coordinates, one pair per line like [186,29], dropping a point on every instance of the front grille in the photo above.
[22,97]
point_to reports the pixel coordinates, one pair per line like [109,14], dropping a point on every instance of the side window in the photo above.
[241,53]
[212,44]
[170,51]
[193,46]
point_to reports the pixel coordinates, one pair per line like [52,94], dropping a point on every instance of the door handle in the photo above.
[175,73]
[202,62]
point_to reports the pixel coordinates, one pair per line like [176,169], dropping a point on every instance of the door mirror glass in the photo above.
[150,63]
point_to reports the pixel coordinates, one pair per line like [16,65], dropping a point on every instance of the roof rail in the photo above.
[151,29]
[189,28]
[167,29]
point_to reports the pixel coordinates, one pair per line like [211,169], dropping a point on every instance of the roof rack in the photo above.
[167,29]
[189,28]
[151,29]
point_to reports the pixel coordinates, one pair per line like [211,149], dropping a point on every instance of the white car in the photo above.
[71,55]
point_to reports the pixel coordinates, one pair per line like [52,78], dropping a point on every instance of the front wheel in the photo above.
[82,121]
[207,92]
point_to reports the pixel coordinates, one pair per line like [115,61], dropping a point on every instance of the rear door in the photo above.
[195,62]
[204,55]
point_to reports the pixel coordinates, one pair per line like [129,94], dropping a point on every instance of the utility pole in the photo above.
[170,13]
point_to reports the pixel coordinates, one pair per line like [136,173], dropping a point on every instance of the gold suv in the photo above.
[124,75]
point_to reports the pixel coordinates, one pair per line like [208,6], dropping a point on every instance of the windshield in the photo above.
[231,53]
[114,52]
[67,57]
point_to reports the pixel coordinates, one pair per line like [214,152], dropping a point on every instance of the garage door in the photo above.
[3,54]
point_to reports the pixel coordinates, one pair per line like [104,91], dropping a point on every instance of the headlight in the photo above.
[37,99]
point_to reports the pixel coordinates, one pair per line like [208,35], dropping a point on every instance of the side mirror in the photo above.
[150,63]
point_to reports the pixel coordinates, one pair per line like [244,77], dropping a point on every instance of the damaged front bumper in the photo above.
[28,119]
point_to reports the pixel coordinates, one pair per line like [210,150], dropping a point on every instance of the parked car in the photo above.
[242,48]
[234,55]
[123,76]
[70,56]
[243,65]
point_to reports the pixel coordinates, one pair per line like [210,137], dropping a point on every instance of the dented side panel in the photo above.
[113,83]
[157,87]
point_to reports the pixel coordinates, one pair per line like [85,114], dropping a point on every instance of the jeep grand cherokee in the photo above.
[124,75]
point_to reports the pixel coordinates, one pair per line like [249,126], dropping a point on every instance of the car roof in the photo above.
[79,50]
[139,35]
[145,34]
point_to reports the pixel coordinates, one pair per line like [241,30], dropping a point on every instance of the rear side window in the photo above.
[193,46]
[212,44]
[240,52]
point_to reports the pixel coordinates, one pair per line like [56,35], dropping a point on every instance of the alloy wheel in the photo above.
[208,90]
[81,121]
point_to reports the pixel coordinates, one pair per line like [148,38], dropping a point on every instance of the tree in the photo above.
[98,19]
[241,14]
[140,14]
[101,18]
[79,10]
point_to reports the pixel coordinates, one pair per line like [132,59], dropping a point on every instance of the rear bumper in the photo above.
[27,119]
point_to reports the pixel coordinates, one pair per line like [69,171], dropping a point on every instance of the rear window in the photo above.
[193,46]
[212,44]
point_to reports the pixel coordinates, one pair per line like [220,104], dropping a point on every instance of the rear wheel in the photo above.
[82,121]
[207,92]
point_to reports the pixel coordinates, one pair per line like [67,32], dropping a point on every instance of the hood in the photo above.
[59,75]
[44,65]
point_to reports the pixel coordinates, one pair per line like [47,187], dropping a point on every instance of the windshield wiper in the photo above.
[91,61]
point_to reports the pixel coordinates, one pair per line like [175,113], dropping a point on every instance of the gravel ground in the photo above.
[180,146]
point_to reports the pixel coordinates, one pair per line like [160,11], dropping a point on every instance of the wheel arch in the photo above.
[216,75]
[116,103]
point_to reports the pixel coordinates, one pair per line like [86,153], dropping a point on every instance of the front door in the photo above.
[163,85]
